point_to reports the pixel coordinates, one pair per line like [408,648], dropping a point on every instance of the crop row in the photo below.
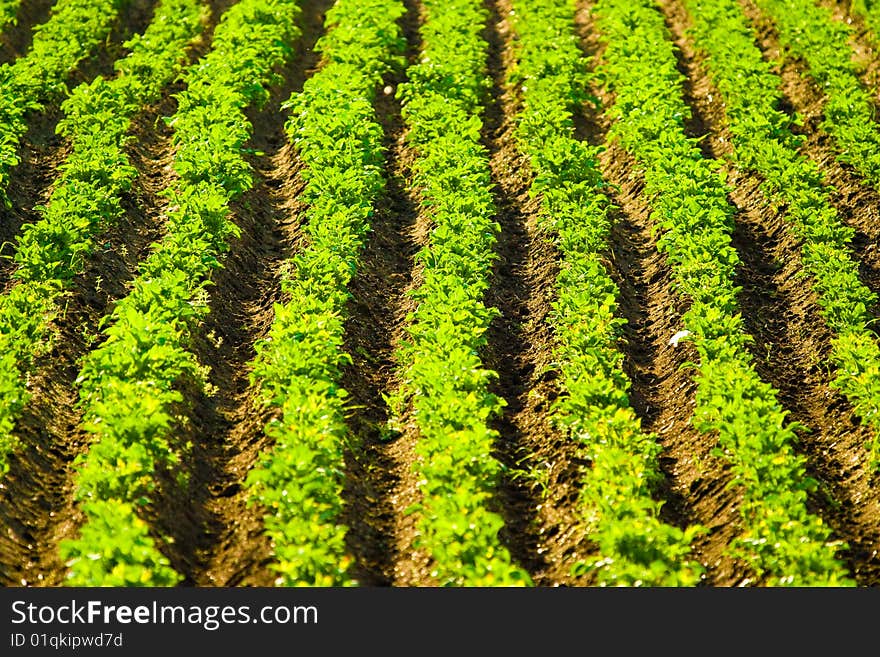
[634,546]
[781,541]
[443,380]
[339,142]
[869,11]
[130,385]
[86,198]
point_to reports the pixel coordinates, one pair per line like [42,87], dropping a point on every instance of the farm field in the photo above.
[439,293]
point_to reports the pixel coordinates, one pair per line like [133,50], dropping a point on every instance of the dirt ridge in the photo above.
[379,480]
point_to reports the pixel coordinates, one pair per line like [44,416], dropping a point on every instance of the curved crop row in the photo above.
[75,28]
[86,198]
[763,142]
[338,139]
[782,542]
[130,384]
[811,33]
[635,548]
[443,377]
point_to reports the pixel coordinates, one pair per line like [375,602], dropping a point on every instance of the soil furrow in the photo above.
[36,494]
[110,269]
[663,390]
[387,276]
[791,346]
[41,152]
[374,469]
[791,341]
[218,537]
[379,480]
[537,528]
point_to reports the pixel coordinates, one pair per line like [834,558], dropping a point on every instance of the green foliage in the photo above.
[809,31]
[135,559]
[869,11]
[332,125]
[74,29]
[9,13]
[443,377]
[86,198]
[764,143]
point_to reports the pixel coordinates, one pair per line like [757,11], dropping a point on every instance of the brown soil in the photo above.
[51,417]
[36,495]
[408,224]
[380,484]
[132,19]
[663,389]
[663,392]
[30,184]
[539,495]
[40,481]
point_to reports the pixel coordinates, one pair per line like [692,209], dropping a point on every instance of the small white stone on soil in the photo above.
[678,336]
[387,90]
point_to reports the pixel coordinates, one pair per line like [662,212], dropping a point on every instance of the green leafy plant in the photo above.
[444,380]
[332,124]
[763,142]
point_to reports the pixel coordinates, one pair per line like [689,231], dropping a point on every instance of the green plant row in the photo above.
[332,125]
[763,143]
[781,541]
[442,375]
[75,28]
[810,32]
[130,385]
[635,548]
[86,198]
